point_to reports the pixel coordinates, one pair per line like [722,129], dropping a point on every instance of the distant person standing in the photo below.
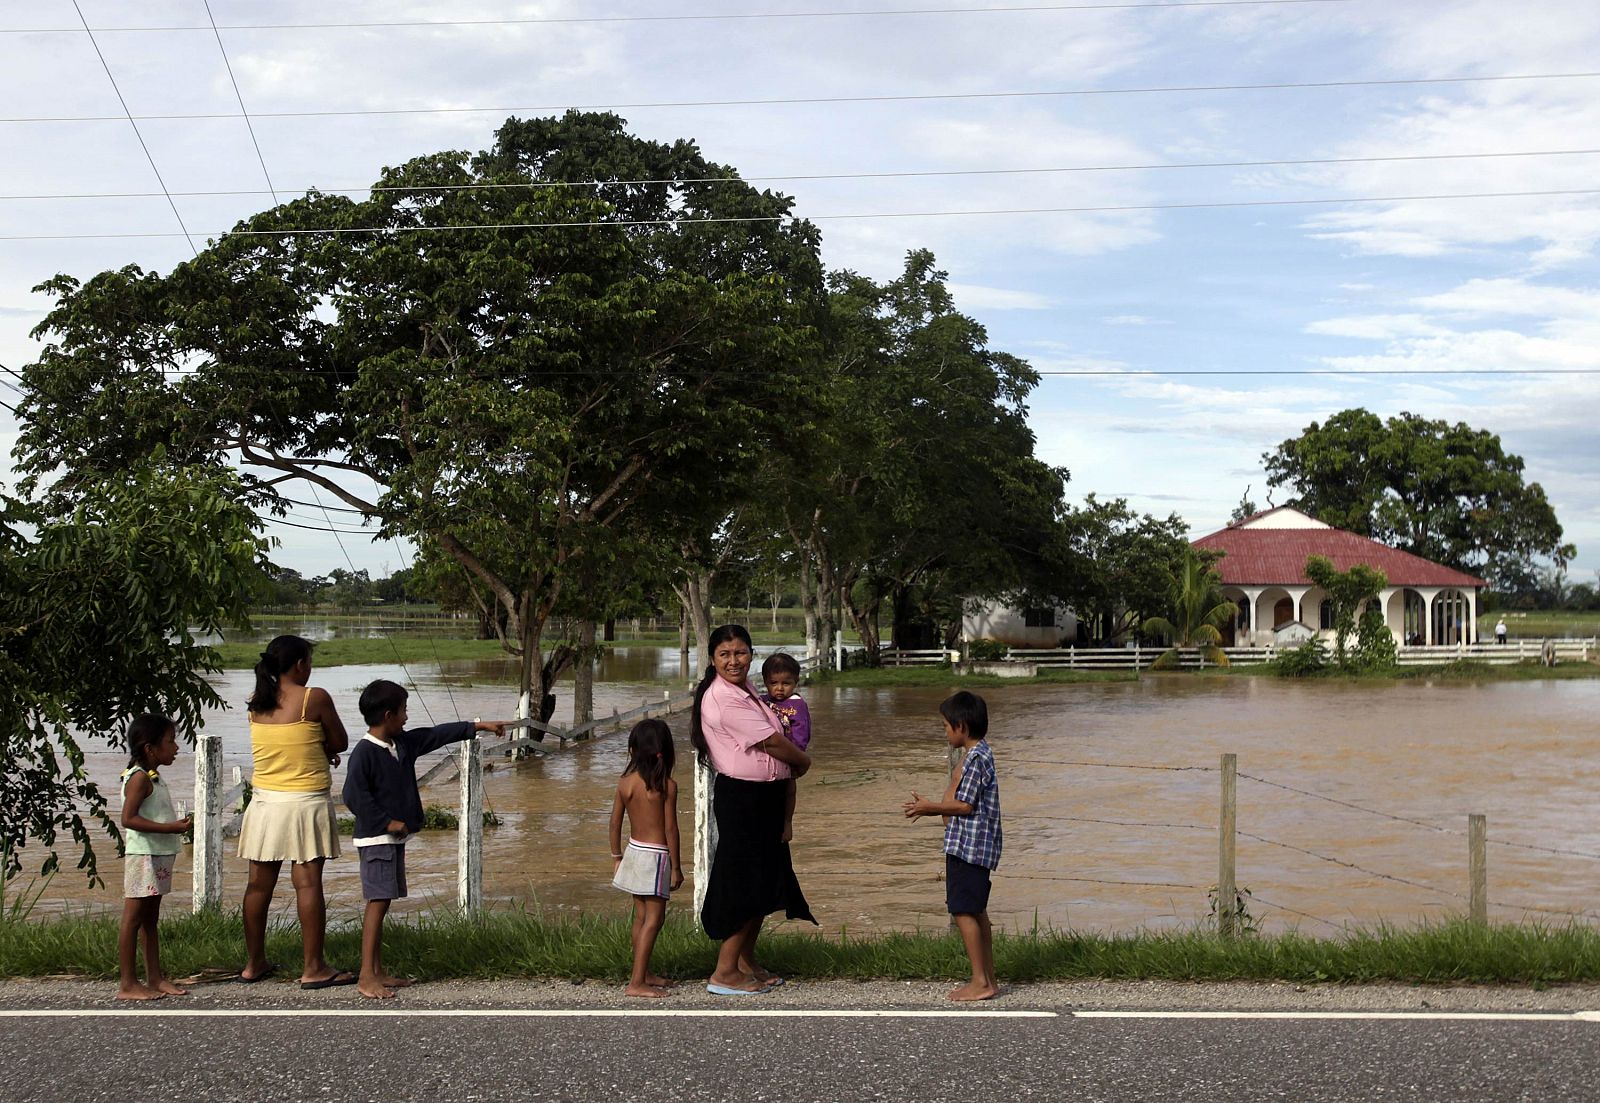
[1500,631]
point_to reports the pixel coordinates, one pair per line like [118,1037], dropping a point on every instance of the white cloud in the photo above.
[1134,320]
[971,297]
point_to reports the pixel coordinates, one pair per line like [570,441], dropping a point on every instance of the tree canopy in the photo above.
[1446,492]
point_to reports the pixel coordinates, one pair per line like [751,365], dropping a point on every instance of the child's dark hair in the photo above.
[381,698]
[780,662]
[697,734]
[145,732]
[650,754]
[277,660]
[966,710]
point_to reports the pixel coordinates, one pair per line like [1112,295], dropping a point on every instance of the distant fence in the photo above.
[1140,657]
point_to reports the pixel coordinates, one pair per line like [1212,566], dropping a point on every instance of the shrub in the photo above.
[988,651]
[1305,661]
[1375,648]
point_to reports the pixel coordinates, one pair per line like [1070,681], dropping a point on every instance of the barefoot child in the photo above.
[649,869]
[150,843]
[971,811]
[380,787]
[781,673]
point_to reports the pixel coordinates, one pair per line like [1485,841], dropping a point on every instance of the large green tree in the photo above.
[105,586]
[1447,492]
[1114,566]
[1197,612]
[524,360]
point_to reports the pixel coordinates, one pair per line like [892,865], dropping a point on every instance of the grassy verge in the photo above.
[348,652]
[1537,624]
[517,944]
[892,677]
[1531,671]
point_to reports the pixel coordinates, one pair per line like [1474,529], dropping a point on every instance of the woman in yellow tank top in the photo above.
[296,739]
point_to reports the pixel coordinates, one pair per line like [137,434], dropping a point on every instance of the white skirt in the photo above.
[292,827]
[645,870]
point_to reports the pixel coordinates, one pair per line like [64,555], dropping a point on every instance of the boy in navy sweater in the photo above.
[380,787]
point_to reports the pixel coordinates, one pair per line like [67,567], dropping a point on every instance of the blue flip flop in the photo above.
[726,990]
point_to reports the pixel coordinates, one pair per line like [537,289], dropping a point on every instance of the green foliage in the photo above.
[105,582]
[1375,646]
[1198,612]
[435,817]
[988,650]
[1114,566]
[1446,492]
[1346,590]
[1305,661]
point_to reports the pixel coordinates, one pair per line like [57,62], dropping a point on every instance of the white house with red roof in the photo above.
[1263,569]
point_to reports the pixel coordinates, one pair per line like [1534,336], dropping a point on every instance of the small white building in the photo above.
[993,619]
[1263,573]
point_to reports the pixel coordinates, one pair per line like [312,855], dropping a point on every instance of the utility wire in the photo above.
[223,50]
[685,18]
[376,189]
[129,114]
[752,219]
[779,101]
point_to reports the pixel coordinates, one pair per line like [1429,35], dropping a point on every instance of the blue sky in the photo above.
[1492,285]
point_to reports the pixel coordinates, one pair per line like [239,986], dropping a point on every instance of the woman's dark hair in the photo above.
[277,660]
[650,754]
[697,734]
[145,732]
[966,710]
[381,698]
[780,662]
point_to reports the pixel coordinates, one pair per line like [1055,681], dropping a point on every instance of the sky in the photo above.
[1200,311]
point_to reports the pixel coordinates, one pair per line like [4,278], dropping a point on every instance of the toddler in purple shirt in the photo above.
[781,674]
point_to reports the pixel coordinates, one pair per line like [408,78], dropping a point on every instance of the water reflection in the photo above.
[1090,842]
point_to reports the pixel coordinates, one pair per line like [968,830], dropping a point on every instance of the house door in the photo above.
[1282,612]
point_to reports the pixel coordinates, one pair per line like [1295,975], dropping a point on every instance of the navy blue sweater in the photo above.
[378,787]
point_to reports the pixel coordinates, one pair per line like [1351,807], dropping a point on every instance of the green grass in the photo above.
[348,652]
[1537,624]
[513,943]
[1464,671]
[900,676]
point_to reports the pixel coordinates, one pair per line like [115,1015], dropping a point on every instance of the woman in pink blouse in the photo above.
[752,874]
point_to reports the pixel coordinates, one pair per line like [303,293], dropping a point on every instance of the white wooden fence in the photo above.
[1139,657]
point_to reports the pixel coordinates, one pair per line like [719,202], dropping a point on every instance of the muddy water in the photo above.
[1087,846]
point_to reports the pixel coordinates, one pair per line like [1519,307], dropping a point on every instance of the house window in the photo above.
[1325,617]
[1039,618]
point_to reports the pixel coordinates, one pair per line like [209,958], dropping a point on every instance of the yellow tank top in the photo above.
[290,758]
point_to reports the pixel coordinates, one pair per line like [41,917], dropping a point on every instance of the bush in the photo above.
[1375,647]
[988,651]
[1305,661]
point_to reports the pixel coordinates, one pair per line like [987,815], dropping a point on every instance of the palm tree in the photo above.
[1198,614]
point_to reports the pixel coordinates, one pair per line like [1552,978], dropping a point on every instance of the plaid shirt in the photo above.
[975,838]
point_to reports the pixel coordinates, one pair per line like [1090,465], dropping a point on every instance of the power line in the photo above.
[223,50]
[129,114]
[804,100]
[645,223]
[824,176]
[684,18]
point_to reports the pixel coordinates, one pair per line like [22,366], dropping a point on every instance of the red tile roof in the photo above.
[1274,556]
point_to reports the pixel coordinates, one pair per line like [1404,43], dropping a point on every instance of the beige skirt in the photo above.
[292,827]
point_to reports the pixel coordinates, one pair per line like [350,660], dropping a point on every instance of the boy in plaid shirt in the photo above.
[971,811]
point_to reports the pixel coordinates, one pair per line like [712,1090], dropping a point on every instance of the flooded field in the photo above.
[1110,795]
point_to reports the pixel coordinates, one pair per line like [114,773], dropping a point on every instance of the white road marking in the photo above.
[1489,1016]
[505,1013]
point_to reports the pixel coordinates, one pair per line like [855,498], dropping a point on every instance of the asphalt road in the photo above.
[554,1045]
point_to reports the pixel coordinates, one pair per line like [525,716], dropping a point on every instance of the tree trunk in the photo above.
[775,598]
[583,676]
[865,621]
[824,602]
[694,597]
[531,690]
[808,601]
[611,629]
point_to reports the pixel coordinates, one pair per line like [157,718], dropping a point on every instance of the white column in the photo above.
[1254,596]
[207,852]
[1383,607]
[1298,594]
[1472,616]
[469,830]
[1427,616]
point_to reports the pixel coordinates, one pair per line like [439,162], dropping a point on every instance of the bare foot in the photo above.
[969,992]
[140,992]
[396,982]
[659,982]
[374,990]
[167,988]
[646,991]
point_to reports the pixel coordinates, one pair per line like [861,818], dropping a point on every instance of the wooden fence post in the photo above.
[1226,890]
[208,823]
[705,834]
[469,829]
[1478,869]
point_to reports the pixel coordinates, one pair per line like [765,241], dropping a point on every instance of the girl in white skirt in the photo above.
[649,868]
[151,828]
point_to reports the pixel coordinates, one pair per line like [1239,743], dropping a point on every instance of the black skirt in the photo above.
[752,875]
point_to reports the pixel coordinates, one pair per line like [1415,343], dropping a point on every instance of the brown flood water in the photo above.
[1086,846]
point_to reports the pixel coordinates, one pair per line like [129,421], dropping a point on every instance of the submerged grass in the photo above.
[515,943]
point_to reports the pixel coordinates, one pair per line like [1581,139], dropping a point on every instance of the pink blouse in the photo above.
[736,724]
